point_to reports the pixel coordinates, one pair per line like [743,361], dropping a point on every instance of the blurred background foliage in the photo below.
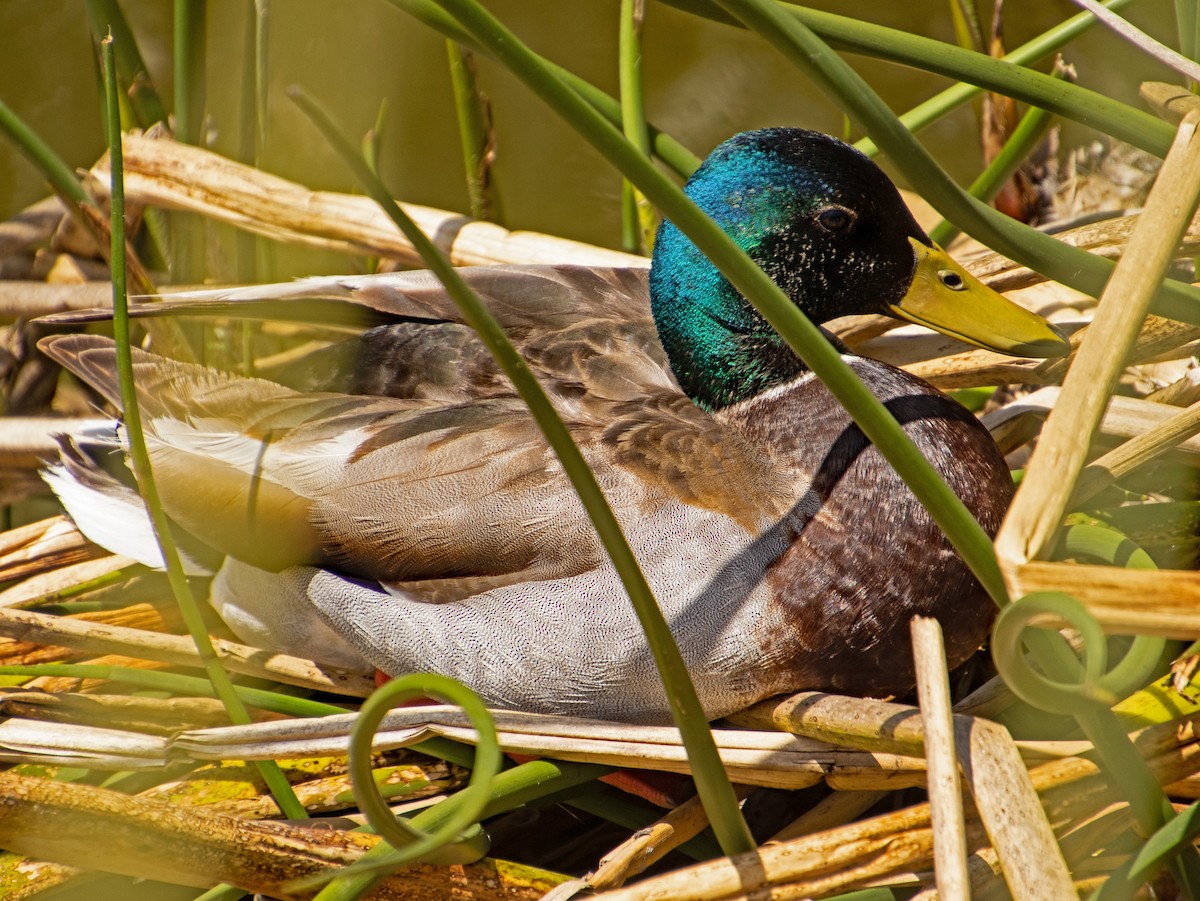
[704,81]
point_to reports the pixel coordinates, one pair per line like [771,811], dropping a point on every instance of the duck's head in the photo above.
[831,229]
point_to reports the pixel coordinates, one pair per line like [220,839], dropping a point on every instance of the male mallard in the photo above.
[434,530]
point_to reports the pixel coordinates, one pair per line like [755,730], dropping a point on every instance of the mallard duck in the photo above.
[433,530]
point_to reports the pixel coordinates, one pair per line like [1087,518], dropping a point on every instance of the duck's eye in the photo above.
[952,280]
[835,219]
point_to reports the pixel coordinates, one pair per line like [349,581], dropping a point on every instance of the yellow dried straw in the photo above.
[176,844]
[178,650]
[1029,531]
[649,845]
[1135,452]
[1004,795]
[945,793]
[180,177]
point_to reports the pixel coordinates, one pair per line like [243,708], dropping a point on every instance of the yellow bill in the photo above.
[945,297]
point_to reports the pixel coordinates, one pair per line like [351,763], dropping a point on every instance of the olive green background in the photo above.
[704,81]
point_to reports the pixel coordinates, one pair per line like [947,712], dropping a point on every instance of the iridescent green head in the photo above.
[831,229]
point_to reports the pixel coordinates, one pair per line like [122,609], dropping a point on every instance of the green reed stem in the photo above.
[474,131]
[1001,76]
[673,154]
[959,93]
[710,776]
[637,217]
[249,117]
[1187,23]
[106,16]
[189,49]
[140,458]
[188,245]
[1101,542]
[1019,145]
[968,31]
[222,893]
[457,838]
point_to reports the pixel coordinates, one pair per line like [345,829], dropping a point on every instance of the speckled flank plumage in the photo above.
[395,504]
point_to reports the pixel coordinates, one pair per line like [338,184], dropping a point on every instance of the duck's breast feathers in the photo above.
[864,555]
[805,429]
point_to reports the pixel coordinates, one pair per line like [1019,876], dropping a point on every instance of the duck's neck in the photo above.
[720,349]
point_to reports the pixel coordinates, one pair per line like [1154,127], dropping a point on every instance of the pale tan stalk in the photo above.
[945,797]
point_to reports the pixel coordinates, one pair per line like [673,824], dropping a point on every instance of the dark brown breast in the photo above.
[865,555]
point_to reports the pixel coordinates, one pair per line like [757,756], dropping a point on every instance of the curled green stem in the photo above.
[459,839]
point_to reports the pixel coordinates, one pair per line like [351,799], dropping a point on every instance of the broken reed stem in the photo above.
[171,843]
[1004,795]
[945,798]
[40,628]
[176,176]
[649,845]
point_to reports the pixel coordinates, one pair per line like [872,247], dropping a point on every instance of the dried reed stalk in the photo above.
[945,798]
[179,650]
[153,840]
[178,176]
[42,546]
[650,845]
[1124,418]
[1004,796]
[28,300]
[1073,792]
[1029,529]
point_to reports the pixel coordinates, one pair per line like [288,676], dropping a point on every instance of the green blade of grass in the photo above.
[1019,145]
[107,17]
[139,457]
[189,50]
[1001,76]
[473,129]
[637,217]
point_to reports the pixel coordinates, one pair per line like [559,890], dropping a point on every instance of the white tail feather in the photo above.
[108,512]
